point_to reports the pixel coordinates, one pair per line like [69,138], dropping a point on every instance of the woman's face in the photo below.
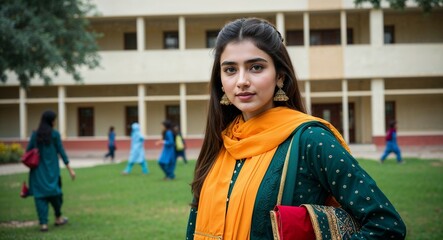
[248,77]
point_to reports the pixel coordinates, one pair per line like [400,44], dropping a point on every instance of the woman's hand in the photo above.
[159,142]
[71,172]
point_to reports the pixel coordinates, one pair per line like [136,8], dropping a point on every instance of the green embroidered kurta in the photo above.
[44,180]
[324,168]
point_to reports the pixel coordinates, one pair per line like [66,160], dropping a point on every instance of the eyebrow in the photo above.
[247,61]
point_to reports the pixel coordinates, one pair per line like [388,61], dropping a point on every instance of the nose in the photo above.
[243,79]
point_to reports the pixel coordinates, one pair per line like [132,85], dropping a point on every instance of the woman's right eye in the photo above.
[229,70]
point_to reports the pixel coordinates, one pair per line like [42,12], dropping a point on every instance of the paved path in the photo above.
[79,159]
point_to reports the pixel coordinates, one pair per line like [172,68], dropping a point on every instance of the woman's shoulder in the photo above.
[316,134]
[170,132]
[55,133]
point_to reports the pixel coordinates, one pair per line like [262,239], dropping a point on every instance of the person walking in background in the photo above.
[167,159]
[137,151]
[45,182]
[180,145]
[391,143]
[111,144]
[255,107]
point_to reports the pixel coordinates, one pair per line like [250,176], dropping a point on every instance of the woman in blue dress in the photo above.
[137,152]
[391,143]
[167,160]
[111,144]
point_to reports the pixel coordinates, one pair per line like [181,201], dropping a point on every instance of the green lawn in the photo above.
[103,204]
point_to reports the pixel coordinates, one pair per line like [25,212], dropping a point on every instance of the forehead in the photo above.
[242,51]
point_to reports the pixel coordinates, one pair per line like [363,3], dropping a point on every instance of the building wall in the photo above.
[412,68]
[112,33]
[34,113]
[413,27]
[359,22]
[156,114]
[426,111]
[9,121]
[197,114]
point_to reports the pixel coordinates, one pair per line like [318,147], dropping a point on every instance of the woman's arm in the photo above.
[340,174]
[59,147]
[32,141]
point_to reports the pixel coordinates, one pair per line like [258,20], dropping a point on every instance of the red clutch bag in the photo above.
[289,222]
[31,158]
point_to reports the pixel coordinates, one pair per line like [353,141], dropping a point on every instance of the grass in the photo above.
[102,204]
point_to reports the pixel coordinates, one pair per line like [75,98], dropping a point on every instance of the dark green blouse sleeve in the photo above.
[339,174]
[59,147]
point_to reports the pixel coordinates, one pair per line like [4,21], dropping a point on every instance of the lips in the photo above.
[245,96]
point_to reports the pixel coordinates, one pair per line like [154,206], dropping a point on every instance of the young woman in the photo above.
[45,180]
[167,159]
[391,143]
[111,144]
[137,152]
[254,107]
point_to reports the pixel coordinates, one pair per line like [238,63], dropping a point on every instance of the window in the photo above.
[170,40]
[130,41]
[350,36]
[211,38]
[85,121]
[389,34]
[329,36]
[173,114]
[324,37]
[294,38]
[131,117]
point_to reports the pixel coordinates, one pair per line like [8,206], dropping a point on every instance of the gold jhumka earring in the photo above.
[225,100]
[280,95]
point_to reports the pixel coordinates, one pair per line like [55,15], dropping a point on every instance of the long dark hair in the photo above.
[168,126]
[265,37]
[44,130]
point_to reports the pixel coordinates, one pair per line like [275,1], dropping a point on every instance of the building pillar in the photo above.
[306,45]
[280,24]
[378,107]
[345,107]
[308,97]
[140,34]
[183,110]
[306,29]
[23,113]
[376,27]
[182,33]
[62,111]
[343,28]
[142,108]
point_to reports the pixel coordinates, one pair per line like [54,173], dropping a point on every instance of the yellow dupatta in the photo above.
[255,140]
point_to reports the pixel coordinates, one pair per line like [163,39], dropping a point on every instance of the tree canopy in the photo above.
[426,5]
[38,38]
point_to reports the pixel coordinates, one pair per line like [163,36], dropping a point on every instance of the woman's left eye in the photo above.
[256,68]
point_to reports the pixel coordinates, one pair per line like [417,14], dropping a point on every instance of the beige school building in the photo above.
[357,67]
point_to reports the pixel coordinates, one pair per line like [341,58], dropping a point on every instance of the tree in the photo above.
[38,38]
[426,5]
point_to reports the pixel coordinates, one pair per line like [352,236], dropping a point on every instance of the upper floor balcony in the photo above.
[322,62]
[322,45]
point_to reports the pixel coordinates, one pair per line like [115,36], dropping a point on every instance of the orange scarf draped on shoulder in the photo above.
[255,140]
